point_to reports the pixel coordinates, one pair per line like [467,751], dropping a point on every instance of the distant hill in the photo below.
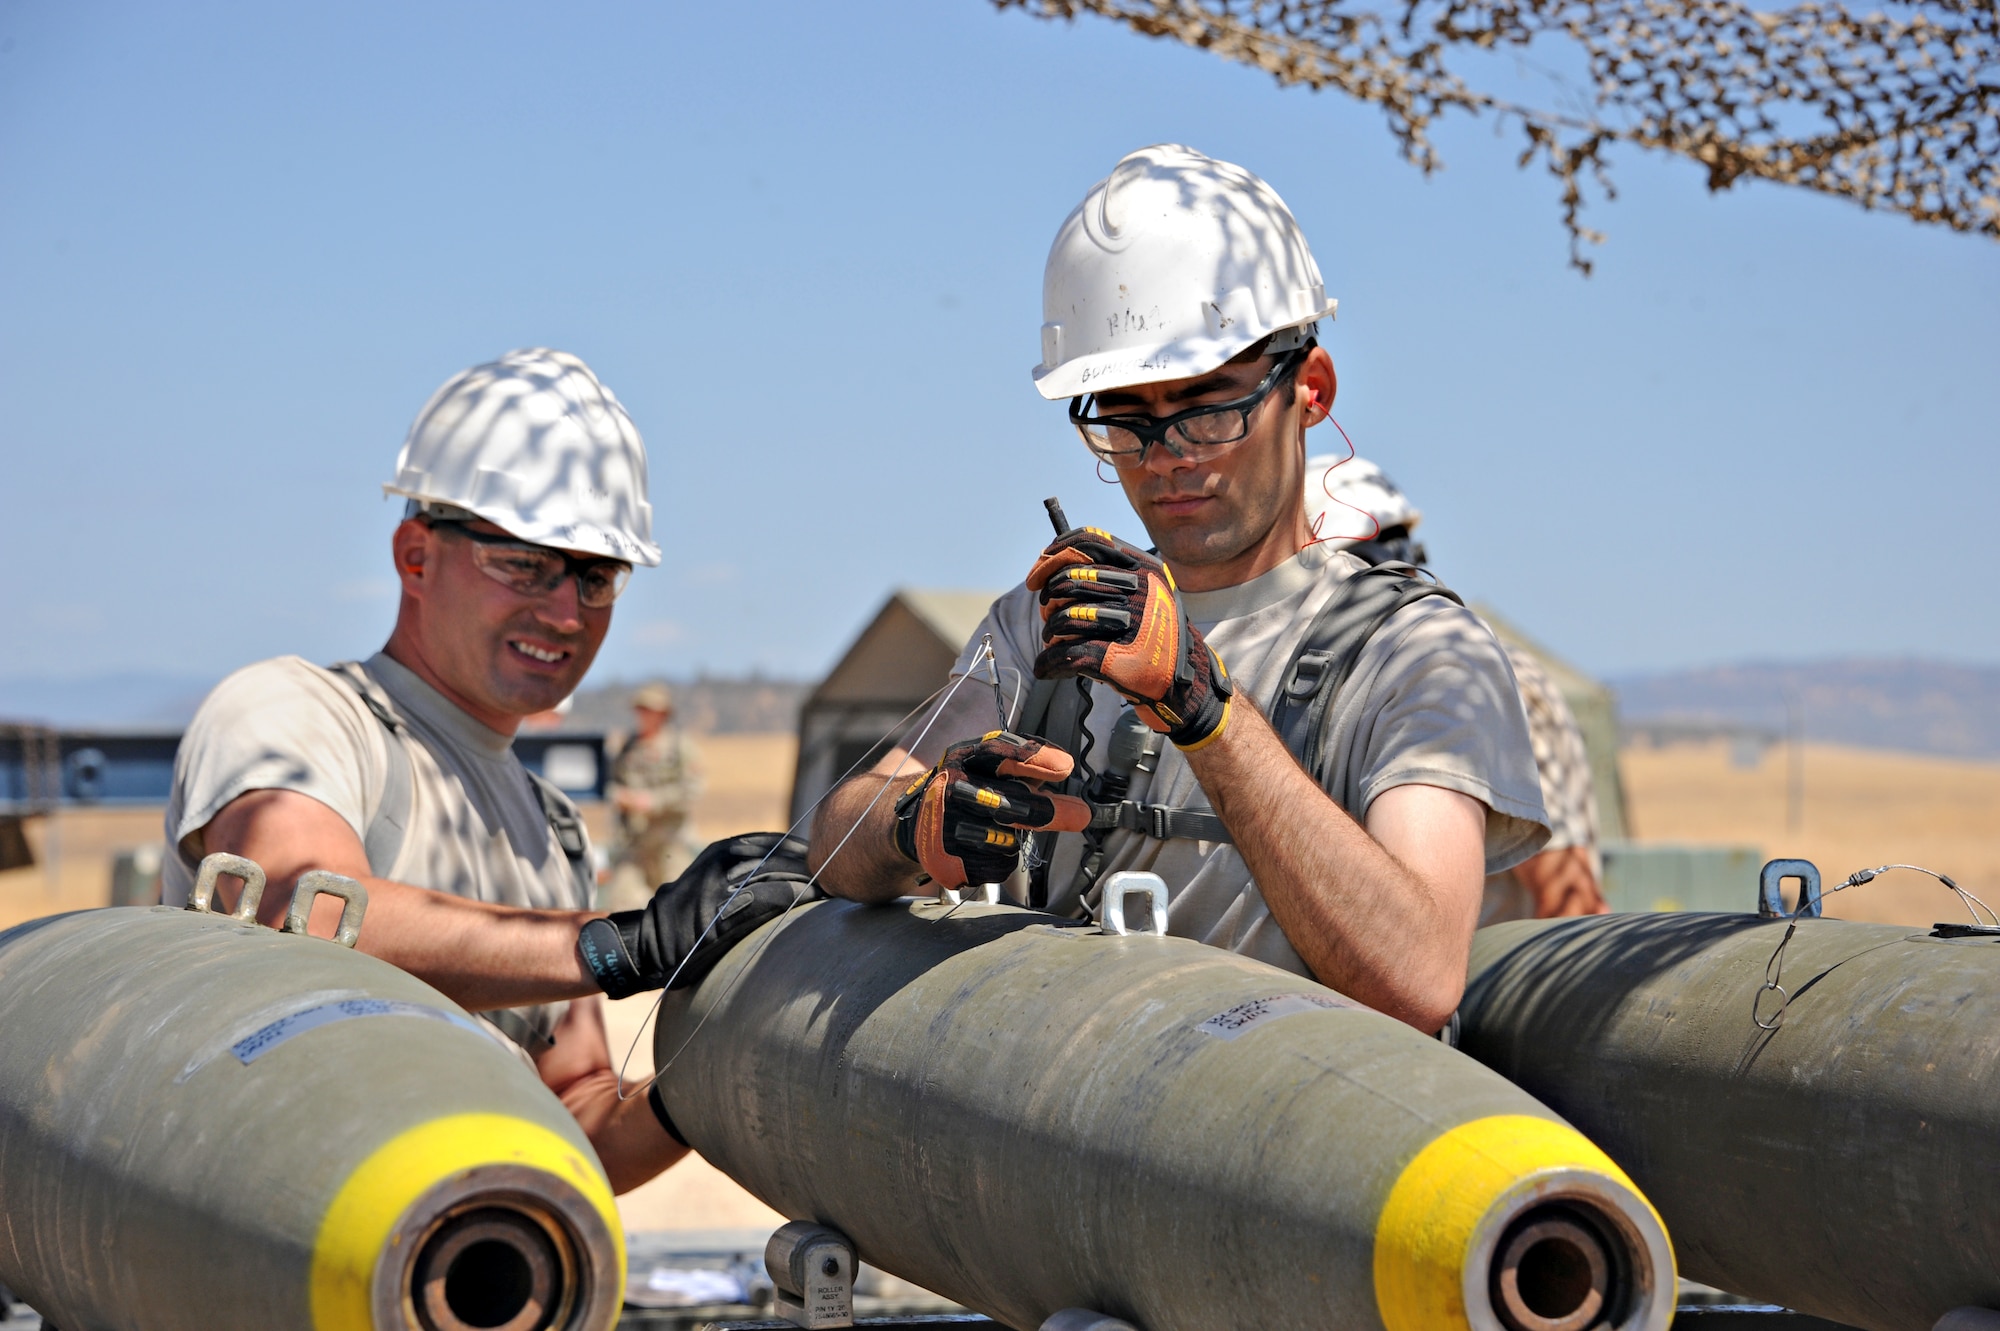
[709,705]
[1917,706]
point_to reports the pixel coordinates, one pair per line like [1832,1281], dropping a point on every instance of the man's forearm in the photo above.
[1362,920]
[626,1133]
[481,956]
[862,862]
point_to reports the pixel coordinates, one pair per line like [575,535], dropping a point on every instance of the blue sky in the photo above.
[241,244]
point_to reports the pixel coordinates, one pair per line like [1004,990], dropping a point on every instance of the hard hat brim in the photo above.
[580,537]
[1130,367]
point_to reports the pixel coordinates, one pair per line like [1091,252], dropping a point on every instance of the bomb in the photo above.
[205,1123]
[1830,1142]
[1027,1117]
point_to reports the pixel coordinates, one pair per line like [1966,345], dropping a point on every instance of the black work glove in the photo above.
[961,822]
[693,920]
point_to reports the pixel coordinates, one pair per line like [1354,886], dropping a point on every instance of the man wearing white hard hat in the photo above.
[1333,799]
[525,509]
[1352,505]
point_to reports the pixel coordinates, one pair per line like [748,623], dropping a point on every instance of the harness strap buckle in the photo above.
[1308,673]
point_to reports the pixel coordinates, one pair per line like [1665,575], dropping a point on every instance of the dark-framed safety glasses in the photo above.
[537,570]
[1198,434]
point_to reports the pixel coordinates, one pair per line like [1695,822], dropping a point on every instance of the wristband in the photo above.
[659,1106]
[604,954]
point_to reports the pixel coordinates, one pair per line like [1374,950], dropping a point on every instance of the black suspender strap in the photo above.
[383,839]
[1329,651]
[567,824]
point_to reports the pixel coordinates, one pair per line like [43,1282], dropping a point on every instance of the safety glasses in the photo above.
[536,570]
[1198,434]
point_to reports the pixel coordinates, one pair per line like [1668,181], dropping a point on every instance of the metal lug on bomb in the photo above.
[209,1125]
[1028,1118]
[1120,886]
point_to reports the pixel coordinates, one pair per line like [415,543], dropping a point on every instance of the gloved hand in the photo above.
[635,950]
[1111,612]
[960,821]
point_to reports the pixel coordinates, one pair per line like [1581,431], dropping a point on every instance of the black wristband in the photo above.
[904,835]
[603,950]
[659,1105]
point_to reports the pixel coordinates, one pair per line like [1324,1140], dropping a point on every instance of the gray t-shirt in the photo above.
[1431,701]
[476,828]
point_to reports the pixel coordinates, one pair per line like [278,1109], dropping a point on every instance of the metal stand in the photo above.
[812,1270]
[1083,1319]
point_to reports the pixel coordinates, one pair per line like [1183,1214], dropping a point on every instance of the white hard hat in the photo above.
[1171,265]
[1358,482]
[534,444]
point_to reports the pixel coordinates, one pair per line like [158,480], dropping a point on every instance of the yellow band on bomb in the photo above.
[364,1212]
[1425,1234]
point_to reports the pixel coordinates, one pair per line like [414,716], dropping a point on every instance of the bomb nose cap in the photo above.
[1518,1223]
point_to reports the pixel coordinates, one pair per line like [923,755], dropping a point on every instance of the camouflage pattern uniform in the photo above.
[656,845]
[1569,799]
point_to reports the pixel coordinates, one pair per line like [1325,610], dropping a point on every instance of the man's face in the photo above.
[506,653]
[651,720]
[1203,513]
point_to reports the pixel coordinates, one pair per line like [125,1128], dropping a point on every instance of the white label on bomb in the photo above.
[1246,1017]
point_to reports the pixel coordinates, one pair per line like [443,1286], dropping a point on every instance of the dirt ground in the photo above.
[1862,808]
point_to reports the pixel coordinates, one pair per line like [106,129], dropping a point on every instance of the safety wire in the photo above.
[1774,969]
[948,690]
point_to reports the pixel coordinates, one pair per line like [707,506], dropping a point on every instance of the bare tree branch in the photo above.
[1900,113]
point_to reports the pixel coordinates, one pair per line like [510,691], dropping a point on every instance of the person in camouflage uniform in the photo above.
[655,780]
[1344,496]
[1563,877]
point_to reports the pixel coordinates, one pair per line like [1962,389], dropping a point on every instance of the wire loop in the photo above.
[1774,969]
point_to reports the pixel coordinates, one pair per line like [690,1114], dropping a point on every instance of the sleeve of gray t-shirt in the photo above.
[1014,621]
[1433,702]
[281,724]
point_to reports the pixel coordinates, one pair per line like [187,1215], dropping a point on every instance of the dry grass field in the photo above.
[749,781]
[1862,808]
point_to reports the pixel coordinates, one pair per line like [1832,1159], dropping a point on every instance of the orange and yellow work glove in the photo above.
[962,820]
[1111,612]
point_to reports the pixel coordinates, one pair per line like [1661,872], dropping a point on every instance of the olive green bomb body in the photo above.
[1846,1163]
[205,1123]
[1027,1118]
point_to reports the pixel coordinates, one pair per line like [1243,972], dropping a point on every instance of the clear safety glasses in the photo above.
[1198,434]
[537,570]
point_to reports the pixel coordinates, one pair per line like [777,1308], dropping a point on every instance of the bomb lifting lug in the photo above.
[1771,882]
[1122,885]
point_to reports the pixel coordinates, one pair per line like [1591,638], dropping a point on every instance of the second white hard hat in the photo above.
[1171,265]
[1356,483]
[534,444]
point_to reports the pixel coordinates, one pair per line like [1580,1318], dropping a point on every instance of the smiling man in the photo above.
[1333,800]
[525,489]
